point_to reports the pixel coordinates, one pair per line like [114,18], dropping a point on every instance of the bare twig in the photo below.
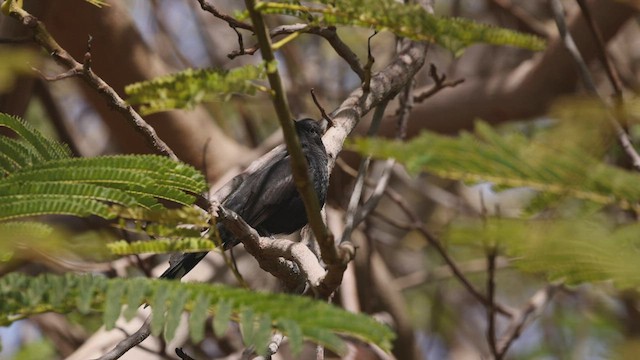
[366,82]
[522,318]
[491,309]
[439,84]
[322,111]
[42,37]
[233,22]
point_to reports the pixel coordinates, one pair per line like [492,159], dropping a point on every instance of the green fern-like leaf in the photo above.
[169,218]
[161,246]
[14,233]
[23,296]
[410,21]
[46,149]
[514,161]
[39,177]
[575,250]
[189,88]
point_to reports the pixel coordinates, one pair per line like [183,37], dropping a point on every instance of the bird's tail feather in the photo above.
[179,268]
[186,262]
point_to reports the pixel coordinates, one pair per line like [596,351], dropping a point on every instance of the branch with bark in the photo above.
[42,37]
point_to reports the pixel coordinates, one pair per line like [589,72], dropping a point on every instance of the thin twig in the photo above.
[368,67]
[322,111]
[491,309]
[523,317]
[439,84]
[233,22]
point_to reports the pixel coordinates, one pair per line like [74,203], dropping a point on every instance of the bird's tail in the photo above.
[179,268]
[186,262]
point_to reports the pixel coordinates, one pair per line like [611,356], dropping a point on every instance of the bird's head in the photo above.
[308,125]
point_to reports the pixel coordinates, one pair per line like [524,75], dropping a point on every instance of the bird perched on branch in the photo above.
[267,199]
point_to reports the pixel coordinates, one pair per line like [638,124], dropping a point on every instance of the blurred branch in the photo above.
[417,225]
[406,104]
[528,22]
[354,200]
[129,342]
[522,93]
[491,295]
[612,74]
[444,272]
[42,37]
[522,318]
[623,137]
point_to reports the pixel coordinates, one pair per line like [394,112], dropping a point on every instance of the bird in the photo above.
[267,199]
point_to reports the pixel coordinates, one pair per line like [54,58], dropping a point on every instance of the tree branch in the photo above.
[42,37]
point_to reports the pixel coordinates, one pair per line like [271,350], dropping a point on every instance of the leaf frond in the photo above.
[410,21]
[45,148]
[318,321]
[550,164]
[574,250]
[161,246]
[186,89]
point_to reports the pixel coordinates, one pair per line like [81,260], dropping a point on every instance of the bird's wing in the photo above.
[263,192]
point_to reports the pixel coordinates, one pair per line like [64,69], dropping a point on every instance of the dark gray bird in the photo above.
[267,199]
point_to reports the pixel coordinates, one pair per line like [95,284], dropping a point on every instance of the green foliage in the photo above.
[556,162]
[160,246]
[186,89]
[15,62]
[410,21]
[572,250]
[259,313]
[38,176]
[184,229]
[40,349]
